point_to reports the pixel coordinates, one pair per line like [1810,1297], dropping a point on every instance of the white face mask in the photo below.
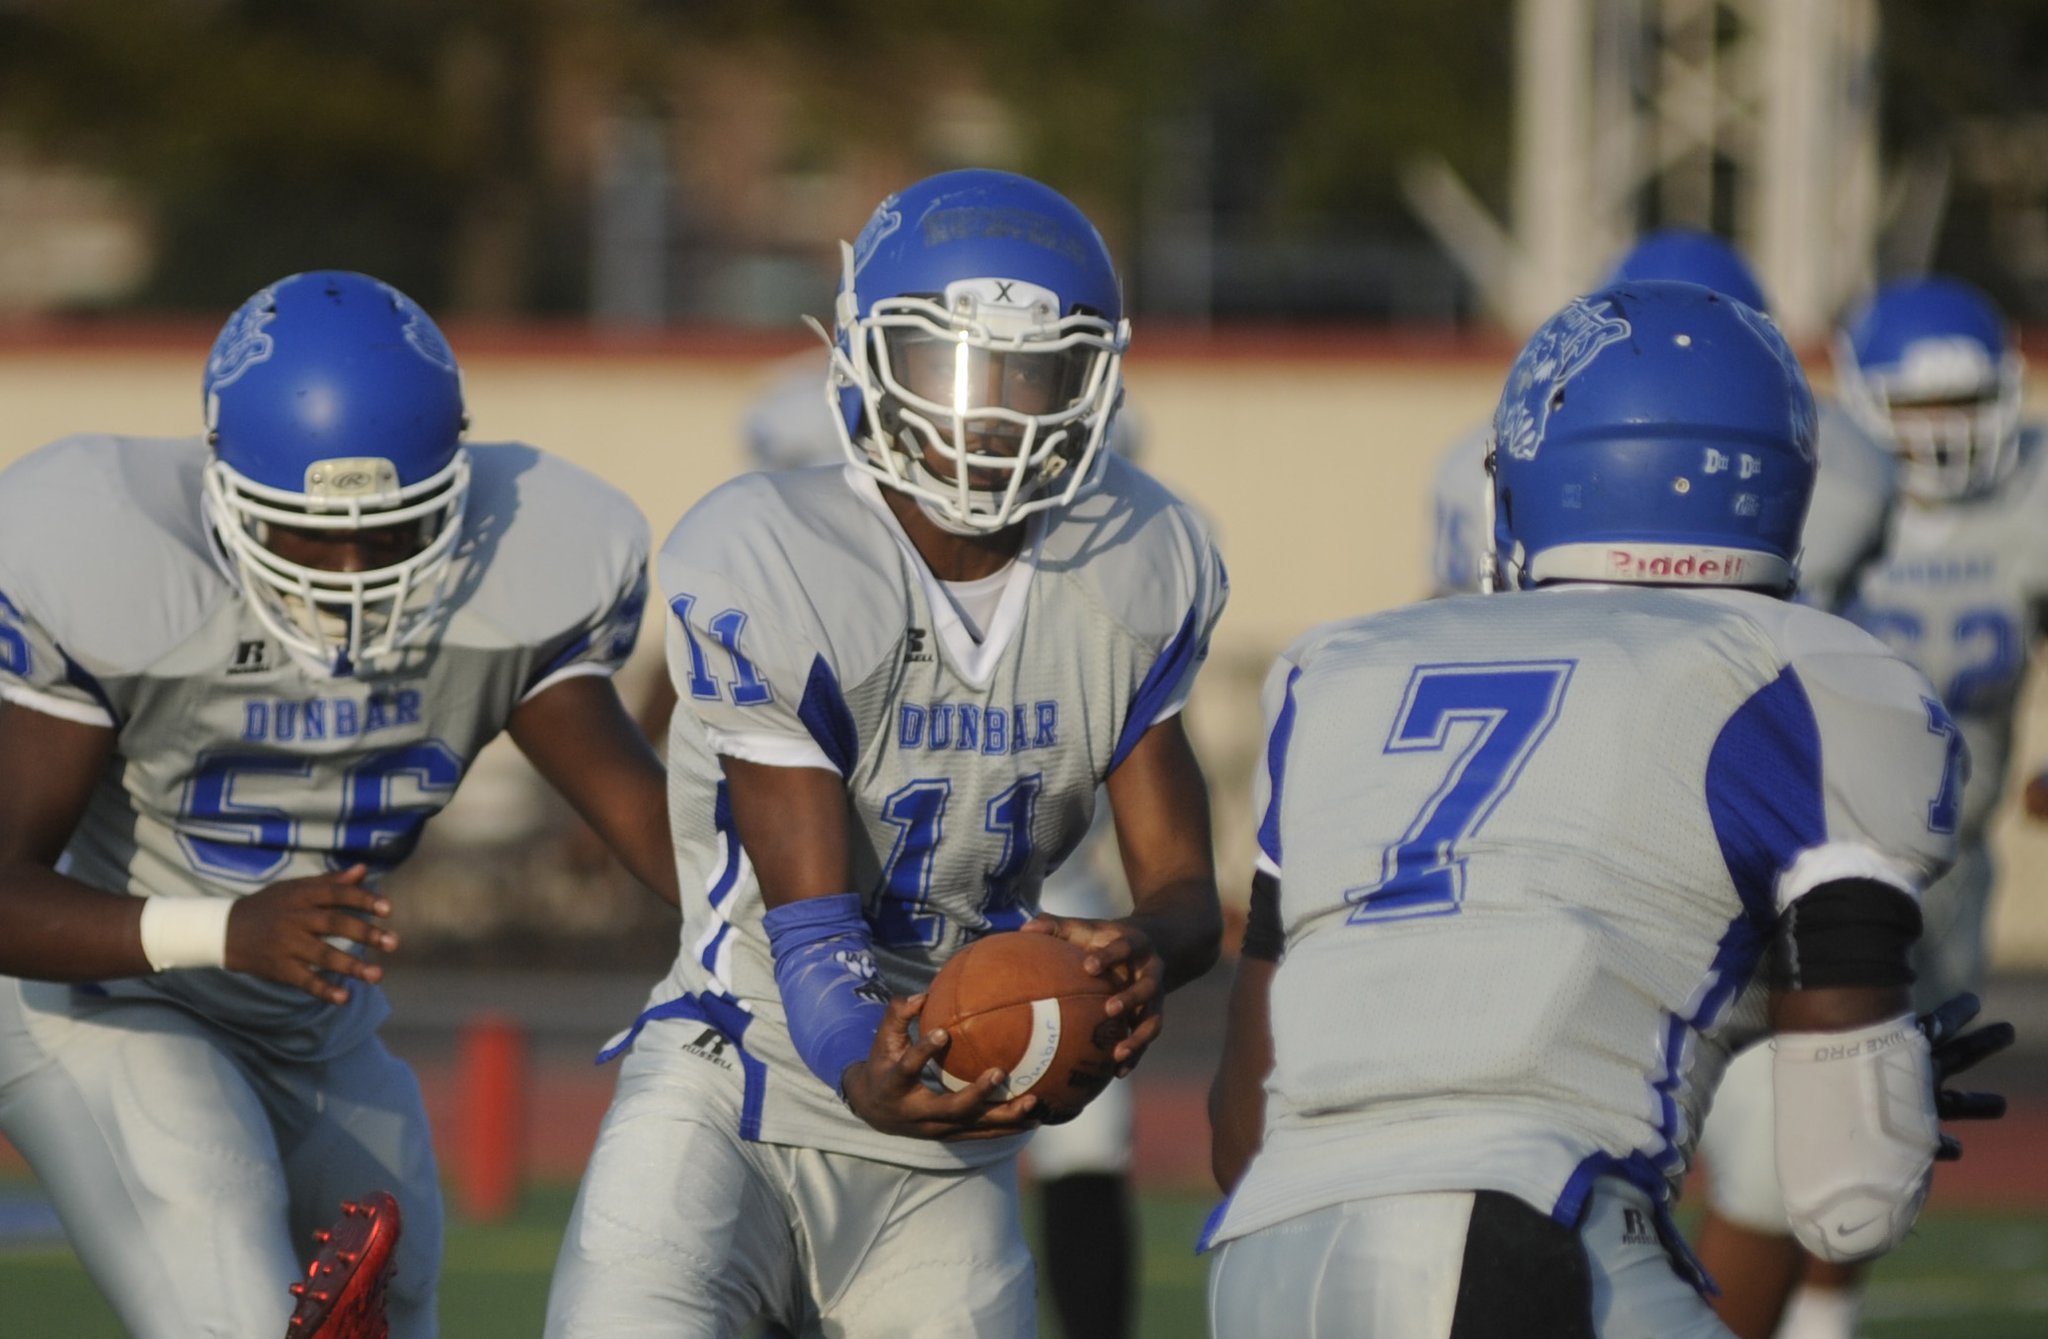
[984,404]
[1947,410]
[339,622]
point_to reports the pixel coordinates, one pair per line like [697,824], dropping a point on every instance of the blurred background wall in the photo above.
[1313,457]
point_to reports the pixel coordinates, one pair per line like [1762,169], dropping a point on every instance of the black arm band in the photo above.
[1263,937]
[1851,932]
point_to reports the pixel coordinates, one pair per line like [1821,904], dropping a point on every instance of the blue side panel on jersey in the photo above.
[78,676]
[729,846]
[1764,791]
[15,657]
[1207,1237]
[825,714]
[1677,1035]
[1276,767]
[1160,681]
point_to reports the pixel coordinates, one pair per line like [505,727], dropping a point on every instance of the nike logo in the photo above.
[1842,1231]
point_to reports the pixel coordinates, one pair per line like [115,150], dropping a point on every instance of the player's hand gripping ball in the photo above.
[1022,1004]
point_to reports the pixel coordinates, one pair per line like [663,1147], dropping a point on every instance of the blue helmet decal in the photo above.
[1692,256]
[1654,432]
[881,225]
[1558,352]
[242,342]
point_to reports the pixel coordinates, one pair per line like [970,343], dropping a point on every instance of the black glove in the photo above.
[1954,1051]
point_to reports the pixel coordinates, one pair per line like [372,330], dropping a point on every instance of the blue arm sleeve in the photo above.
[825,971]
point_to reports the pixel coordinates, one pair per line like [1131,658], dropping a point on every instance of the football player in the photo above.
[1082,1166]
[901,685]
[1850,495]
[1960,590]
[240,672]
[1521,857]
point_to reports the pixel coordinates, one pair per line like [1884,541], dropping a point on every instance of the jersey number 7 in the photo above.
[1509,707]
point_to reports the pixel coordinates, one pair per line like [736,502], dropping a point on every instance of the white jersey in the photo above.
[1961,591]
[1532,848]
[807,632]
[1459,541]
[236,766]
[1851,494]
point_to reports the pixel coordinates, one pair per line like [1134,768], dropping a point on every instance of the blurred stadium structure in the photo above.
[1754,118]
[643,162]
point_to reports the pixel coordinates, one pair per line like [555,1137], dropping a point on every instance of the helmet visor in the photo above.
[954,379]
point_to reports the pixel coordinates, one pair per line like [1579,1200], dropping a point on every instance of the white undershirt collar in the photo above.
[975,661]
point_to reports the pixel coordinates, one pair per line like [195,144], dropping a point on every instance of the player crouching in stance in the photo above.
[901,680]
[239,674]
[1538,847]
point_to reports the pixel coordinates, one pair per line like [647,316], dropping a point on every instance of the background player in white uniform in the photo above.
[1850,494]
[902,681]
[1082,1167]
[1524,854]
[1961,591]
[237,681]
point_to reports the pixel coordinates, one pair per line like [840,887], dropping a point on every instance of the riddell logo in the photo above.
[1719,566]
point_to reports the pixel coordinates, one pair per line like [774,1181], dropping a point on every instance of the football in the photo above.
[1021,1003]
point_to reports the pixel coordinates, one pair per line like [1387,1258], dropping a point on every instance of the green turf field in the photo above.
[1981,1275]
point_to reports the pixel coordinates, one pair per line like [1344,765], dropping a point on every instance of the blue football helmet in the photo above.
[1929,367]
[333,403]
[979,349]
[1657,433]
[1694,256]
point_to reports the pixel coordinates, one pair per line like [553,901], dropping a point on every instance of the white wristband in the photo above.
[185,931]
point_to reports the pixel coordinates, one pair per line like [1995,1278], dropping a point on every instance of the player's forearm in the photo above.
[1237,1096]
[638,833]
[54,928]
[1184,923]
[1836,1009]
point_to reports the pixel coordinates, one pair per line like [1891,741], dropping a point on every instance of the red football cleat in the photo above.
[343,1295]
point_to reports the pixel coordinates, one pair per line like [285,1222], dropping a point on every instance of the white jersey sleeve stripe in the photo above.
[575,671]
[1842,860]
[771,750]
[49,704]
